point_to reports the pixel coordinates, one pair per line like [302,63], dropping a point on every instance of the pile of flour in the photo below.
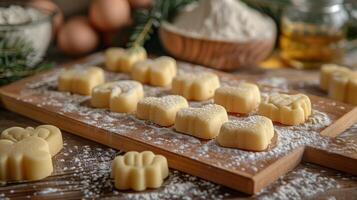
[223,20]
[18,15]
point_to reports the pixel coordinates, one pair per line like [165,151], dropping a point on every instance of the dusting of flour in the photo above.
[92,175]
[78,107]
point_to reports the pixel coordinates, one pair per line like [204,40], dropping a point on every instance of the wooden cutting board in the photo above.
[37,98]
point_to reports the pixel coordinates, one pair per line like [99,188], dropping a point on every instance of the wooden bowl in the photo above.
[216,54]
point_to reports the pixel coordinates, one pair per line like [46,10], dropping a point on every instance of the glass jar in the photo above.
[313,32]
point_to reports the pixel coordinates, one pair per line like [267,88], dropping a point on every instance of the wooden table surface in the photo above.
[82,168]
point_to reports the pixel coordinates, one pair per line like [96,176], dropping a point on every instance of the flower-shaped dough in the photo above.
[118,96]
[203,122]
[196,87]
[340,82]
[328,71]
[157,72]
[243,98]
[286,109]
[343,87]
[122,60]
[80,80]
[25,154]
[161,110]
[139,171]
[254,133]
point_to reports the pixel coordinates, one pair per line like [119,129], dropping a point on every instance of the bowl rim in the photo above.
[169,27]
[48,17]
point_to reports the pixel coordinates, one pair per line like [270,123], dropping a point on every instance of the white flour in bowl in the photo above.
[224,20]
[17,24]
[18,15]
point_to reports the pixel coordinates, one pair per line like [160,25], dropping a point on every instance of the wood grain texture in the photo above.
[66,183]
[346,163]
[216,54]
[189,160]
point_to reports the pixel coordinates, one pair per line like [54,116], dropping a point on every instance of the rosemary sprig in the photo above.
[15,60]
[148,20]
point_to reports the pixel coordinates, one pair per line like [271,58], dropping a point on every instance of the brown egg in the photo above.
[140,3]
[108,15]
[51,6]
[77,36]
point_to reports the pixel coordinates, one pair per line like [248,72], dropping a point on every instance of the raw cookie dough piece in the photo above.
[161,110]
[197,87]
[254,133]
[203,122]
[286,109]
[328,71]
[118,96]
[80,80]
[241,99]
[139,171]
[122,60]
[25,154]
[343,87]
[157,72]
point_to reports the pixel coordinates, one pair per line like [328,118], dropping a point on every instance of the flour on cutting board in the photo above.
[78,107]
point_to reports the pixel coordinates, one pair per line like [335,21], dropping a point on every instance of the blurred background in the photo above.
[82,27]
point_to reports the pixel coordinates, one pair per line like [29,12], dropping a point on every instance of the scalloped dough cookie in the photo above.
[243,98]
[161,110]
[157,72]
[328,71]
[26,154]
[196,87]
[118,96]
[203,122]
[340,82]
[253,133]
[343,87]
[286,109]
[122,60]
[80,80]
[139,171]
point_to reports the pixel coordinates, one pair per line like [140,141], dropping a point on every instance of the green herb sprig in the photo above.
[14,60]
[146,21]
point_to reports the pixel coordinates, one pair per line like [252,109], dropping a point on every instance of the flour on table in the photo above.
[303,183]
[91,165]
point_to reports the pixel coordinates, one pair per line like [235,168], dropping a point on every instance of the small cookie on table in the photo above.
[29,152]
[118,96]
[138,171]
[286,109]
[253,133]
[156,72]
[122,60]
[198,87]
[80,80]
[203,122]
[161,110]
[243,98]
